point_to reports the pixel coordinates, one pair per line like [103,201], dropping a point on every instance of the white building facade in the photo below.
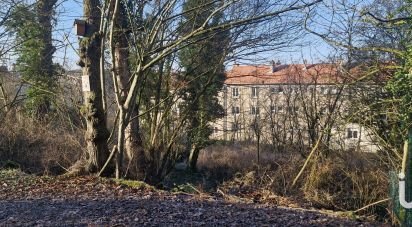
[290,106]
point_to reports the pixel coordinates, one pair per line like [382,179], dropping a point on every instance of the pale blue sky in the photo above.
[314,50]
[67,11]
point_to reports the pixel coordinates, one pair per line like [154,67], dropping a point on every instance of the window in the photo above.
[276,109]
[235,92]
[351,133]
[328,90]
[293,109]
[255,92]
[215,130]
[280,89]
[272,109]
[235,110]
[277,89]
[333,91]
[280,109]
[296,109]
[254,110]
[311,90]
[235,127]
[272,89]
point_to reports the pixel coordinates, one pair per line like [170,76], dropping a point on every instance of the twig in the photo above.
[108,160]
[65,169]
[307,161]
[372,204]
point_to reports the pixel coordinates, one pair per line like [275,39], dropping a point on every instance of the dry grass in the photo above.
[237,166]
[35,147]
[343,181]
[223,162]
[347,182]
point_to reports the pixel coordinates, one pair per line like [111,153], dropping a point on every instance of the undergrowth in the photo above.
[343,181]
[37,147]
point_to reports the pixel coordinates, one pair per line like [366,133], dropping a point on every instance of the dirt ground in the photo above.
[86,201]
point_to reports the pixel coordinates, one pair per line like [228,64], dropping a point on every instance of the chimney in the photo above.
[235,64]
[275,65]
[305,62]
[273,69]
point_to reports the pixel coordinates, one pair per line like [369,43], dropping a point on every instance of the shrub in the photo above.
[347,182]
[344,180]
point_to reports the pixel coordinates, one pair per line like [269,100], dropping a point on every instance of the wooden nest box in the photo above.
[80,27]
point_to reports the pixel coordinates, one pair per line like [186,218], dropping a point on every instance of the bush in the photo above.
[347,182]
[344,180]
[222,162]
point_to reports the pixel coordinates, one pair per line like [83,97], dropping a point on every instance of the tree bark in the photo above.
[44,10]
[133,147]
[97,134]
[193,156]
[194,134]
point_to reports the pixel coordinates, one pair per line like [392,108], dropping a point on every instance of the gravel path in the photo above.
[96,202]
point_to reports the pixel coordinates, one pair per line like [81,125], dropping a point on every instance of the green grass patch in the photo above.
[187,188]
[134,184]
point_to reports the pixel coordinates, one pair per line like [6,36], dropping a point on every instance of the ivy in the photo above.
[24,24]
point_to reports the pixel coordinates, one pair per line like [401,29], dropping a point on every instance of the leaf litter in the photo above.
[28,200]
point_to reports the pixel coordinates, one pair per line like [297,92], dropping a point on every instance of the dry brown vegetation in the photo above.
[344,181]
[38,147]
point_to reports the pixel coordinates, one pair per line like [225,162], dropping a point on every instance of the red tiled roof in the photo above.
[284,74]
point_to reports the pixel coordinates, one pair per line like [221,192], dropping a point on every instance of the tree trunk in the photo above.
[408,176]
[4,97]
[135,156]
[44,10]
[193,156]
[194,134]
[97,134]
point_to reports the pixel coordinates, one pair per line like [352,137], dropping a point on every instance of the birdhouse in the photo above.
[80,27]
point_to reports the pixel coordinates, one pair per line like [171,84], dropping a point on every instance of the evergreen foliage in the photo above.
[28,33]
[203,73]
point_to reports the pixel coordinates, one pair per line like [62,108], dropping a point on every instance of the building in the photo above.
[291,106]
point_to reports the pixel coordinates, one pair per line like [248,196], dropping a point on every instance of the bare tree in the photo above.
[97,151]
[154,35]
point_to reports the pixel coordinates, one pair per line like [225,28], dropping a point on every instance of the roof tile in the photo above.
[284,74]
